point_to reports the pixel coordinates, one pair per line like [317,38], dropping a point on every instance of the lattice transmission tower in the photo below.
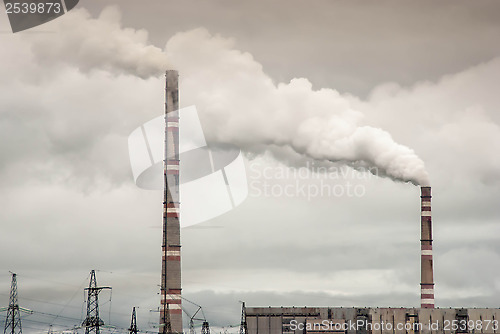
[243,323]
[133,323]
[93,322]
[13,320]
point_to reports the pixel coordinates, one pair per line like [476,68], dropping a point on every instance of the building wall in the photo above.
[295,320]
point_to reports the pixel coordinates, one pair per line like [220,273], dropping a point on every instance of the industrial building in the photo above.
[274,320]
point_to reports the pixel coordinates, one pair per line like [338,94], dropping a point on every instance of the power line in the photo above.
[56,315]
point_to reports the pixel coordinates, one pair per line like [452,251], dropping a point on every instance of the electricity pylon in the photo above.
[205,328]
[92,322]
[13,320]
[133,323]
[243,324]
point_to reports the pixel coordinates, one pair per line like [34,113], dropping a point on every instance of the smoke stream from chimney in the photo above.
[97,43]
[240,104]
[237,101]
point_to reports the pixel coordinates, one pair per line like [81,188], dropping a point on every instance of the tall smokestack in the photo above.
[171,312]
[426,272]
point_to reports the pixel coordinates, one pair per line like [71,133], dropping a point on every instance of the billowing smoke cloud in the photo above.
[237,101]
[240,104]
[91,43]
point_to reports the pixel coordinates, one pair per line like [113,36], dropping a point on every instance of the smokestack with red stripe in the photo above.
[171,312]
[426,271]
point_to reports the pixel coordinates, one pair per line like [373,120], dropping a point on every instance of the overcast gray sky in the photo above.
[72,90]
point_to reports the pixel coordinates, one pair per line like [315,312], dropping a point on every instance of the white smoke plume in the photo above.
[240,104]
[237,101]
[97,43]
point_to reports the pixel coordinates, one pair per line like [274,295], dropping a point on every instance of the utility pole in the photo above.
[92,322]
[13,320]
[133,323]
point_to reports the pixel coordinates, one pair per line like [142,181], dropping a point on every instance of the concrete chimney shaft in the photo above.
[426,270]
[171,299]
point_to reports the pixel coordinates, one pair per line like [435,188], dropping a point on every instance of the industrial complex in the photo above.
[274,320]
